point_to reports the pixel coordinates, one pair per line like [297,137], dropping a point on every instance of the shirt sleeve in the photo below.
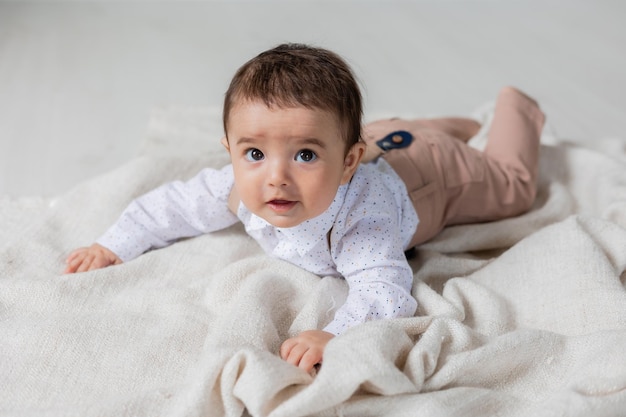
[370,256]
[173,211]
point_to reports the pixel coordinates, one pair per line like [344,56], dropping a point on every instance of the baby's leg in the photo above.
[458,127]
[450,182]
[418,166]
[513,138]
[503,181]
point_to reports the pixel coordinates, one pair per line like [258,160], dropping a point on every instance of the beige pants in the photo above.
[452,183]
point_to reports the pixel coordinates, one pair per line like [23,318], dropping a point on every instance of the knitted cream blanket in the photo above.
[521,317]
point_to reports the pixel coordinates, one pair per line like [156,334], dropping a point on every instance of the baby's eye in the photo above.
[254,155]
[306,155]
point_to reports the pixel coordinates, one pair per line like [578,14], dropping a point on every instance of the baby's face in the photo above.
[288,162]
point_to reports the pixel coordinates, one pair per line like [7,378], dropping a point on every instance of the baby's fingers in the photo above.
[310,358]
[296,354]
[292,351]
[86,263]
[75,253]
[88,259]
[74,261]
[101,261]
[286,347]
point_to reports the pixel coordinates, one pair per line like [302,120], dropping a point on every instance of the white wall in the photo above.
[78,79]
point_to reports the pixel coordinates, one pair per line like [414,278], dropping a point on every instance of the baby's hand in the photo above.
[87,259]
[305,350]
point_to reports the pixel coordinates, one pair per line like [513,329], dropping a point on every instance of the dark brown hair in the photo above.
[291,75]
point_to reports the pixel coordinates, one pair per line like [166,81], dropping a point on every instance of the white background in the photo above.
[78,79]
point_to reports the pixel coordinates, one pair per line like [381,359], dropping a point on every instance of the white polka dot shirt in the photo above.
[360,237]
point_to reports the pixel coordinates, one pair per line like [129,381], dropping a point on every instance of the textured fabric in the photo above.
[520,317]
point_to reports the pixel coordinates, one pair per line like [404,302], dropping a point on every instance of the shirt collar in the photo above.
[305,236]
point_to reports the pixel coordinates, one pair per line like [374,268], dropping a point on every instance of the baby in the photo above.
[315,189]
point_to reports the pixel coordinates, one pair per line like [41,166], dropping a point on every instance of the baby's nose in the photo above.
[278,175]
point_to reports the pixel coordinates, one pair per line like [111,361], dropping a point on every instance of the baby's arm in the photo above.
[173,211]
[371,258]
[89,258]
[378,299]
[379,279]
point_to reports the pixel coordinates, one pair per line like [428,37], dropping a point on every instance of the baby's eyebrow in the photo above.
[313,141]
[245,140]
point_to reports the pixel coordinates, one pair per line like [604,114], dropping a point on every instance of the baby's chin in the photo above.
[285,222]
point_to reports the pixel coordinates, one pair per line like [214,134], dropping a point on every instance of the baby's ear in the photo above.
[352,161]
[225,143]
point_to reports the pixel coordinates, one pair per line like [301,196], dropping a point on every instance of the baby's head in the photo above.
[296,75]
[292,117]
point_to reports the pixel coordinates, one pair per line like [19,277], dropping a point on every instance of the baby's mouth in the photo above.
[281,205]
